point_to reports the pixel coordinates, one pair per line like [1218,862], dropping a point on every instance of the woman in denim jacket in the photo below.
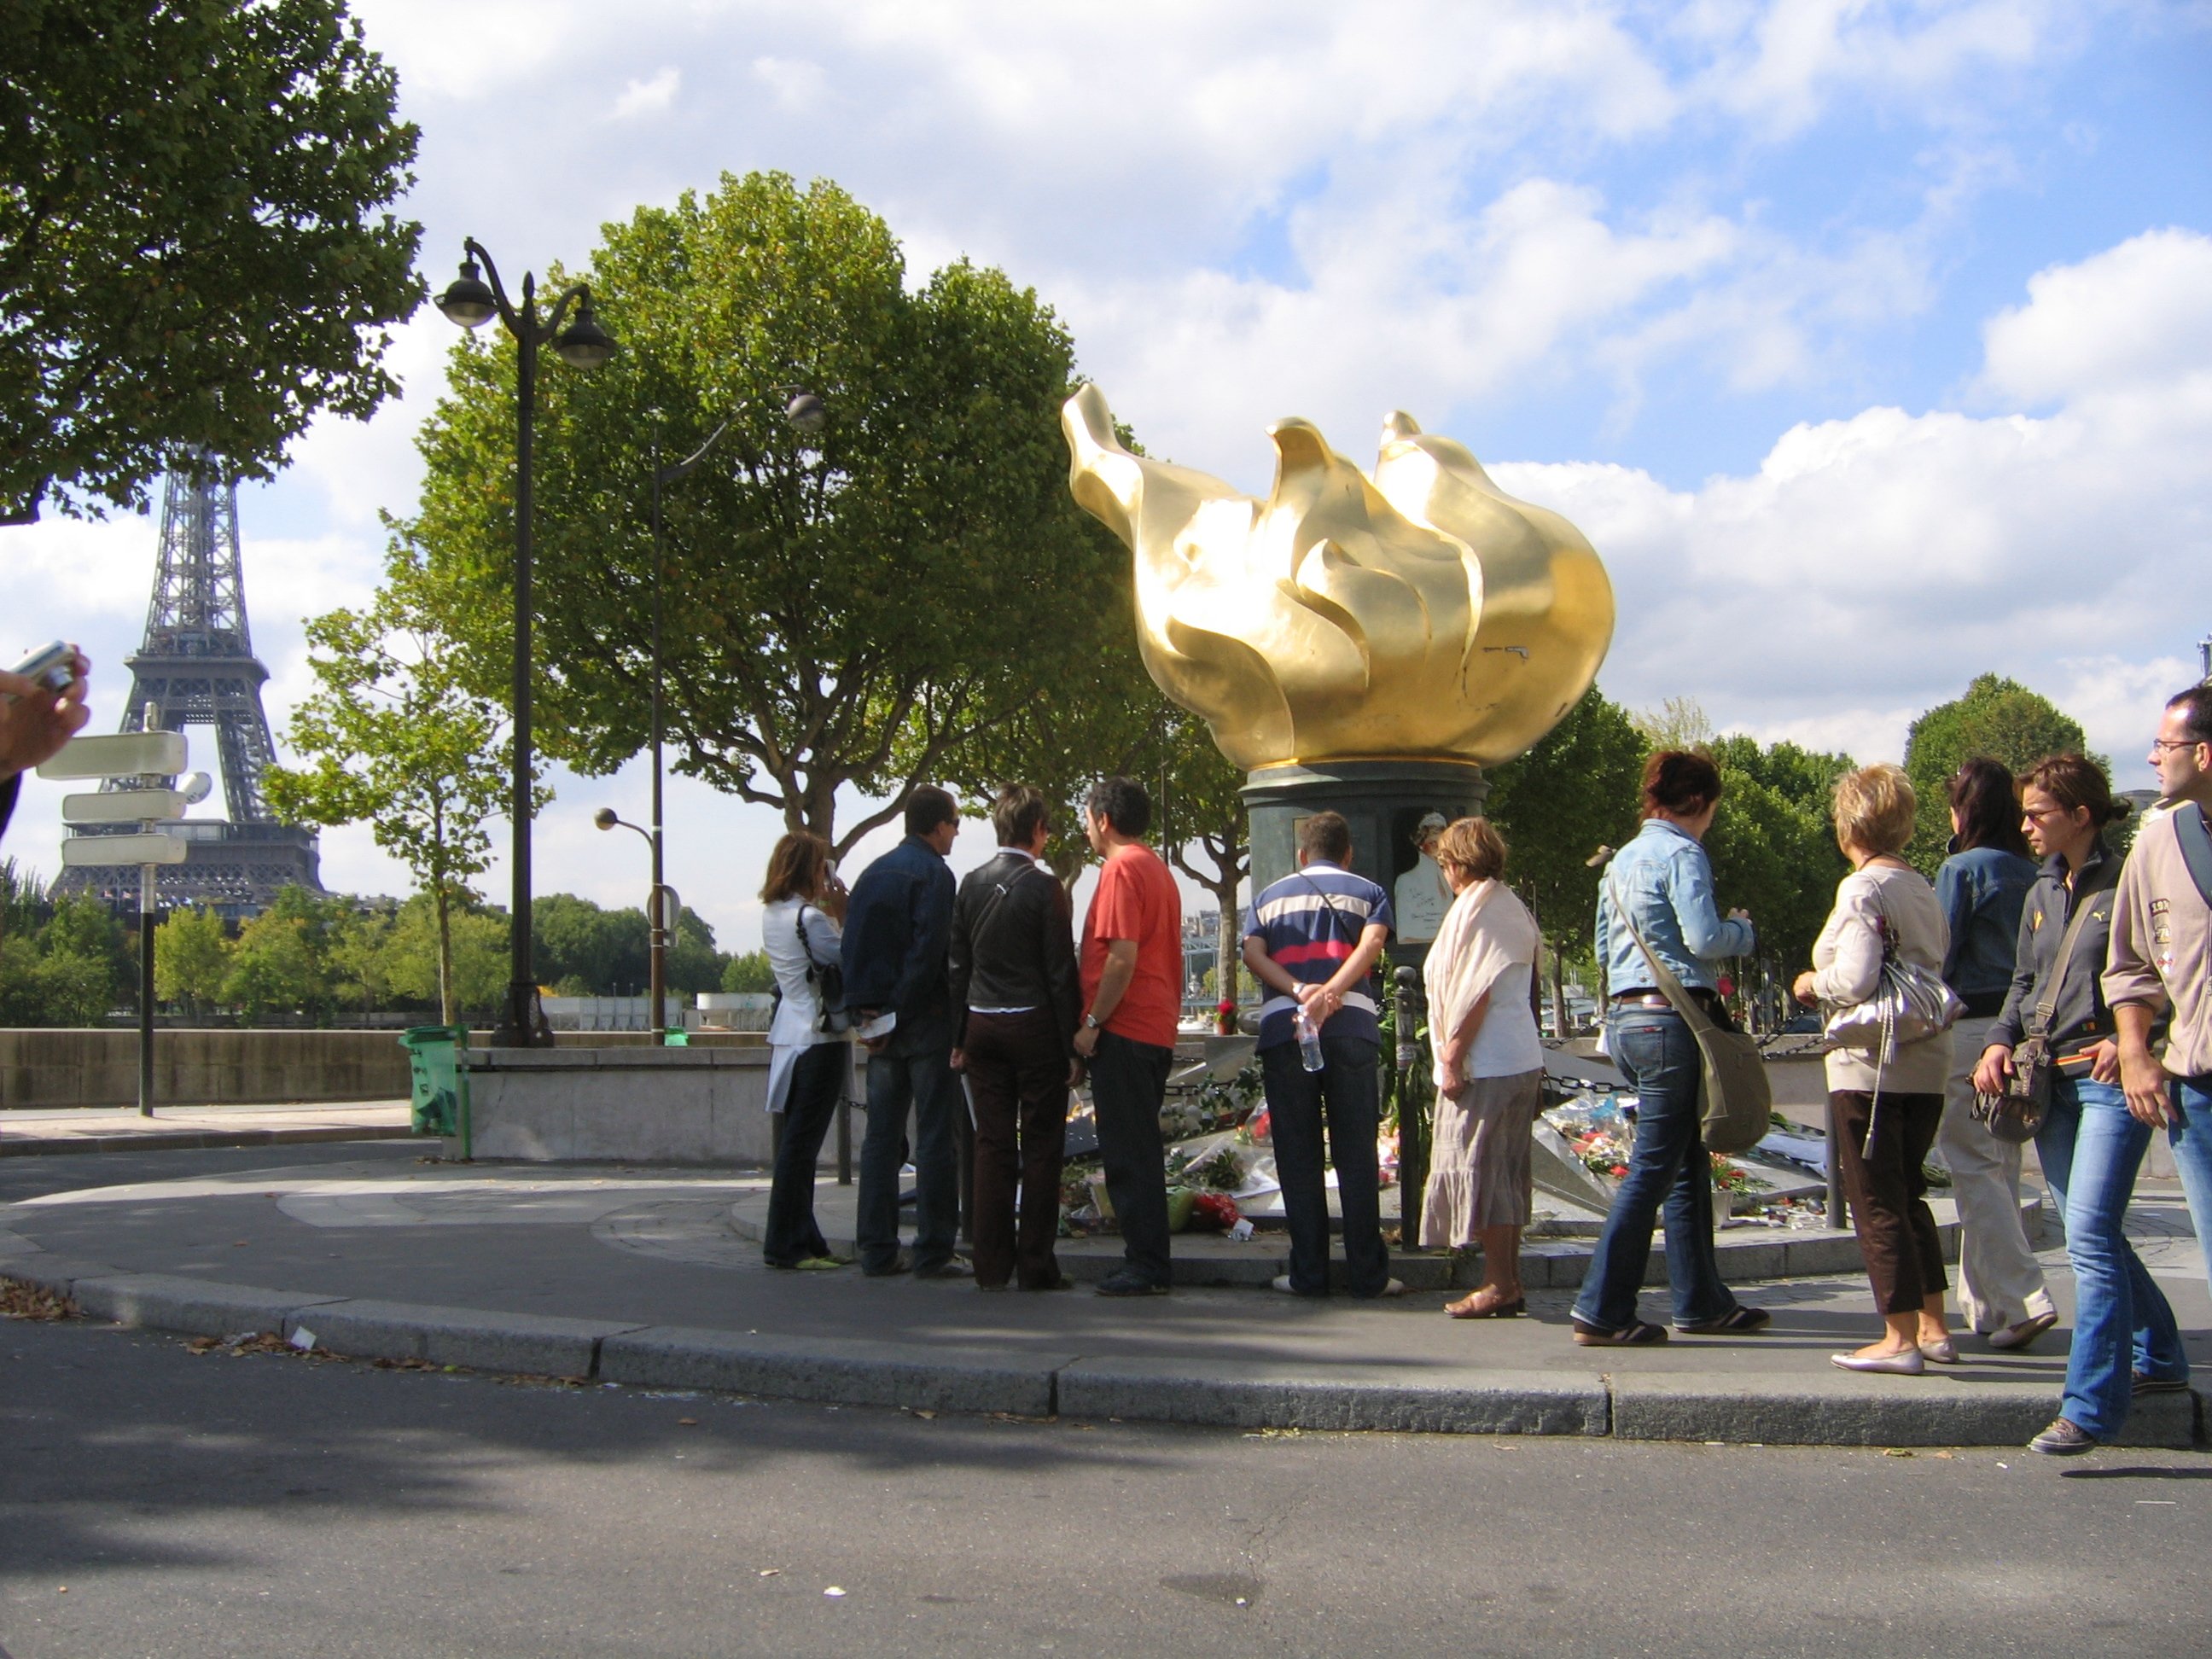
[1981,887]
[2125,1342]
[1666,881]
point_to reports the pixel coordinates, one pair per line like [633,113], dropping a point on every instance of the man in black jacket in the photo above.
[896,923]
[1016,1003]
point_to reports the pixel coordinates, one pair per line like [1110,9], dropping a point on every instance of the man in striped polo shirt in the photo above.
[1312,938]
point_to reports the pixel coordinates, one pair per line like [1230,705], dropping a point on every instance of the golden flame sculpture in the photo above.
[1422,614]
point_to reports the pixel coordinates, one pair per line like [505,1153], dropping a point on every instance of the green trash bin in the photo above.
[439,1103]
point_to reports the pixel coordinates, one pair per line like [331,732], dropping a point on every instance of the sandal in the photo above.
[1635,1334]
[1465,1307]
[1739,1320]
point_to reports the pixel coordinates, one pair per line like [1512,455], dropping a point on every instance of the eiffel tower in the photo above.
[196,667]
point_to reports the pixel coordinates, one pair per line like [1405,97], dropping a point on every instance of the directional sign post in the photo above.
[152,757]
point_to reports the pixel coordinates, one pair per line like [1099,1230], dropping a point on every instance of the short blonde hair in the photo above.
[1876,809]
[1475,846]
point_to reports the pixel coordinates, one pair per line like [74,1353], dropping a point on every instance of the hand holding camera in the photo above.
[41,706]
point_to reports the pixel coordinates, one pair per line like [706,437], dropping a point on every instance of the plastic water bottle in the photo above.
[1309,1041]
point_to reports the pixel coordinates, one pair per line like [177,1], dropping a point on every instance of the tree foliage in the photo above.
[1575,790]
[390,735]
[847,610]
[195,249]
[1998,718]
[191,958]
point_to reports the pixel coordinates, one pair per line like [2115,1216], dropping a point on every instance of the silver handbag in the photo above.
[1910,1002]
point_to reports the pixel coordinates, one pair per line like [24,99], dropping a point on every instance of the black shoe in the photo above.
[1127,1282]
[901,1263]
[2063,1440]
[2142,1384]
[952,1266]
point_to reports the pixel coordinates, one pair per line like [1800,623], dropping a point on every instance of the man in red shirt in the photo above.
[1132,970]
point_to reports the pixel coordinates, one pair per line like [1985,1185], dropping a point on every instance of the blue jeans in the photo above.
[1348,1089]
[1656,1052]
[913,1070]
[2091,1148]
[2191,1137]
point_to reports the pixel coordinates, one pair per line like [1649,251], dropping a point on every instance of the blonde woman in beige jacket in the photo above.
[1885,1115]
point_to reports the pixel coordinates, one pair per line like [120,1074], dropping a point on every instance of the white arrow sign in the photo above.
[79,850]
[121,754]
[125,806]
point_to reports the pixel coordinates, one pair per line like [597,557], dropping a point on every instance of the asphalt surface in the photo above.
[157,1502]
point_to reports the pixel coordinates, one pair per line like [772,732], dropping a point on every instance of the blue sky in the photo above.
[1871,344]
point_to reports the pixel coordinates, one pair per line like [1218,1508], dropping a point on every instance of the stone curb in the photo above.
[1804,1408]
[1447,1401]
[839,1370]
[189,1140]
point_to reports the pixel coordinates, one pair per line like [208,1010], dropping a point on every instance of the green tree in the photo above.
[1998,718]
[283,958]
[1575,791]
[693,964]
[597,951]
[461,961]
[191,958]
[844,610]
[195,250]
[392,736]
[1773,843]
[749,972]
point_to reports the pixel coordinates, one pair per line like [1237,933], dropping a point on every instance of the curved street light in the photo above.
[806,414]
[470,301]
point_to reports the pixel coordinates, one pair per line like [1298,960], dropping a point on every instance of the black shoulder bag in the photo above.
[2017,1114]
[827,979]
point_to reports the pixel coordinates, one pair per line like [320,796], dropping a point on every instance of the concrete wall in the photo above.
[196,1067]
[701,1105]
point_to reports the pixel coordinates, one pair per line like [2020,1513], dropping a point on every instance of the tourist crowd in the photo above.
[2041,987]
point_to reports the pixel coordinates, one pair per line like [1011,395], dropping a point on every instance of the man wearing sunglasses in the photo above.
[2162,953]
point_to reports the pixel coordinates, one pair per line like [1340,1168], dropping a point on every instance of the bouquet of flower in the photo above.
[1212,1212]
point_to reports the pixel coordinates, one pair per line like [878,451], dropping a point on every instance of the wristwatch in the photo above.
[1091,1022]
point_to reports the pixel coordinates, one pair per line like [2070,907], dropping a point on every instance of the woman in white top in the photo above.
[1489,1069]
[1884,1111]
[801,930]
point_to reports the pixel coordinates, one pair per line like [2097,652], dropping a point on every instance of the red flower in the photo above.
[1619,1170]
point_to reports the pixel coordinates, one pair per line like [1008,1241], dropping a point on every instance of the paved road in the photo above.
[278,1504]
[34,1177]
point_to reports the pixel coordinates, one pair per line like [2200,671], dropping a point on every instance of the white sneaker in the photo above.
[1282,1282]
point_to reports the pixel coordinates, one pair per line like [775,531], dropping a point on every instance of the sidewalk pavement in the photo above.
[173,1128]
[642,1277]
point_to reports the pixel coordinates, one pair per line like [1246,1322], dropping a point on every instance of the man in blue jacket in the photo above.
[898,924]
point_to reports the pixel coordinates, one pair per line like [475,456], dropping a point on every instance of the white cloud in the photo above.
[649,96]
[1871,565]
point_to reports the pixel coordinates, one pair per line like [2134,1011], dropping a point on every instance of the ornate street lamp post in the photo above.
[471,302]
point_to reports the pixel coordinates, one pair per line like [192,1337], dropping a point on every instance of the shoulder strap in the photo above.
[799,923]
[1670,987]
[2188,830]
[2046,1006]
[1319,889]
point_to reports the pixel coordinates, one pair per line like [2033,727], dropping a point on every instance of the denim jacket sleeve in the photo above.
[1690,890]
[1957,896]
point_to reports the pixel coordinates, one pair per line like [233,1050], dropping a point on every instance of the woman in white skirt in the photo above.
[1489,1069]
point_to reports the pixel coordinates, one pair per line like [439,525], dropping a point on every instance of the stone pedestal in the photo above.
[1383,800]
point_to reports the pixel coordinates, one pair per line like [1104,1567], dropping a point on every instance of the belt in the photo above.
[1648,999]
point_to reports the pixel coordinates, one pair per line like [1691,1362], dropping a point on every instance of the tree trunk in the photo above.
[1227,949]
[445,955]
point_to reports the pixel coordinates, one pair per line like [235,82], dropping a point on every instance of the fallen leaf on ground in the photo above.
[687,1422]
[769,1572]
